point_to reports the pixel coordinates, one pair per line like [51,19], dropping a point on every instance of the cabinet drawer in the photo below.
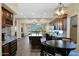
[10,48]
[5,49]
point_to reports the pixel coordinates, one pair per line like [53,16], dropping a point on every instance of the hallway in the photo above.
[24,48]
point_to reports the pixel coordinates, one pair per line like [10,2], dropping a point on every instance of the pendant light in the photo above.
[60,10]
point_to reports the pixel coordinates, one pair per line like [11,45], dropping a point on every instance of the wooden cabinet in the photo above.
[60,23]
[7,17]
[5,50]
[9,49]
[35,42]
[13,47]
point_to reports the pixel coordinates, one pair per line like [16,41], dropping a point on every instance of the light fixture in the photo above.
[60,10]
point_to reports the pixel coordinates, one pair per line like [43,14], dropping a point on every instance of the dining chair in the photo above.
[46,50]
[54,38]
[48,37]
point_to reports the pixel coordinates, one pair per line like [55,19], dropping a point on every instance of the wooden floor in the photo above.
[24,48]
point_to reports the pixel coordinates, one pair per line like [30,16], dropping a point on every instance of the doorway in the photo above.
[73,28]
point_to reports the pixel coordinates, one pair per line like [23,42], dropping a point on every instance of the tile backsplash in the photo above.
[7,30]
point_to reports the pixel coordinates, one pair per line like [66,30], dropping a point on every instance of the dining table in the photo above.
[62,46]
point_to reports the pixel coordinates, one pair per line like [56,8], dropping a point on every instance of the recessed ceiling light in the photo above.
[33,13]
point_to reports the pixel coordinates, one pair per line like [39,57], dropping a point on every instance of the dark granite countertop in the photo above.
[7,41]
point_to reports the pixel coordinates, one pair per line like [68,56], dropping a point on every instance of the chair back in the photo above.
[48,37]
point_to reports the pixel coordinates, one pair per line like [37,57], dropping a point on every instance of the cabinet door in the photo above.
[73,28]
[13,47]
[7,17]
[35,42]
[5,50]
[3,17]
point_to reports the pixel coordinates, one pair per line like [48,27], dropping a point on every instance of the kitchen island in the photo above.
[35,40]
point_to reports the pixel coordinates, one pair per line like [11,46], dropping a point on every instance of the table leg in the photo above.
[65,52]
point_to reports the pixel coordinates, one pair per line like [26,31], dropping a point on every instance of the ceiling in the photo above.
[37,10]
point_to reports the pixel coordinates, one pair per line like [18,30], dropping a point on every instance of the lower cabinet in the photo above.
[35,42]
[6,50]
[9,49]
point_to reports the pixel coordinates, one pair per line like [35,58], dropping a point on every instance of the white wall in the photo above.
[25,27]
[18,27]
[47,28]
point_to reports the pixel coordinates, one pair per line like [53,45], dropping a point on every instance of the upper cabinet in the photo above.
[7,18]
[60,23]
